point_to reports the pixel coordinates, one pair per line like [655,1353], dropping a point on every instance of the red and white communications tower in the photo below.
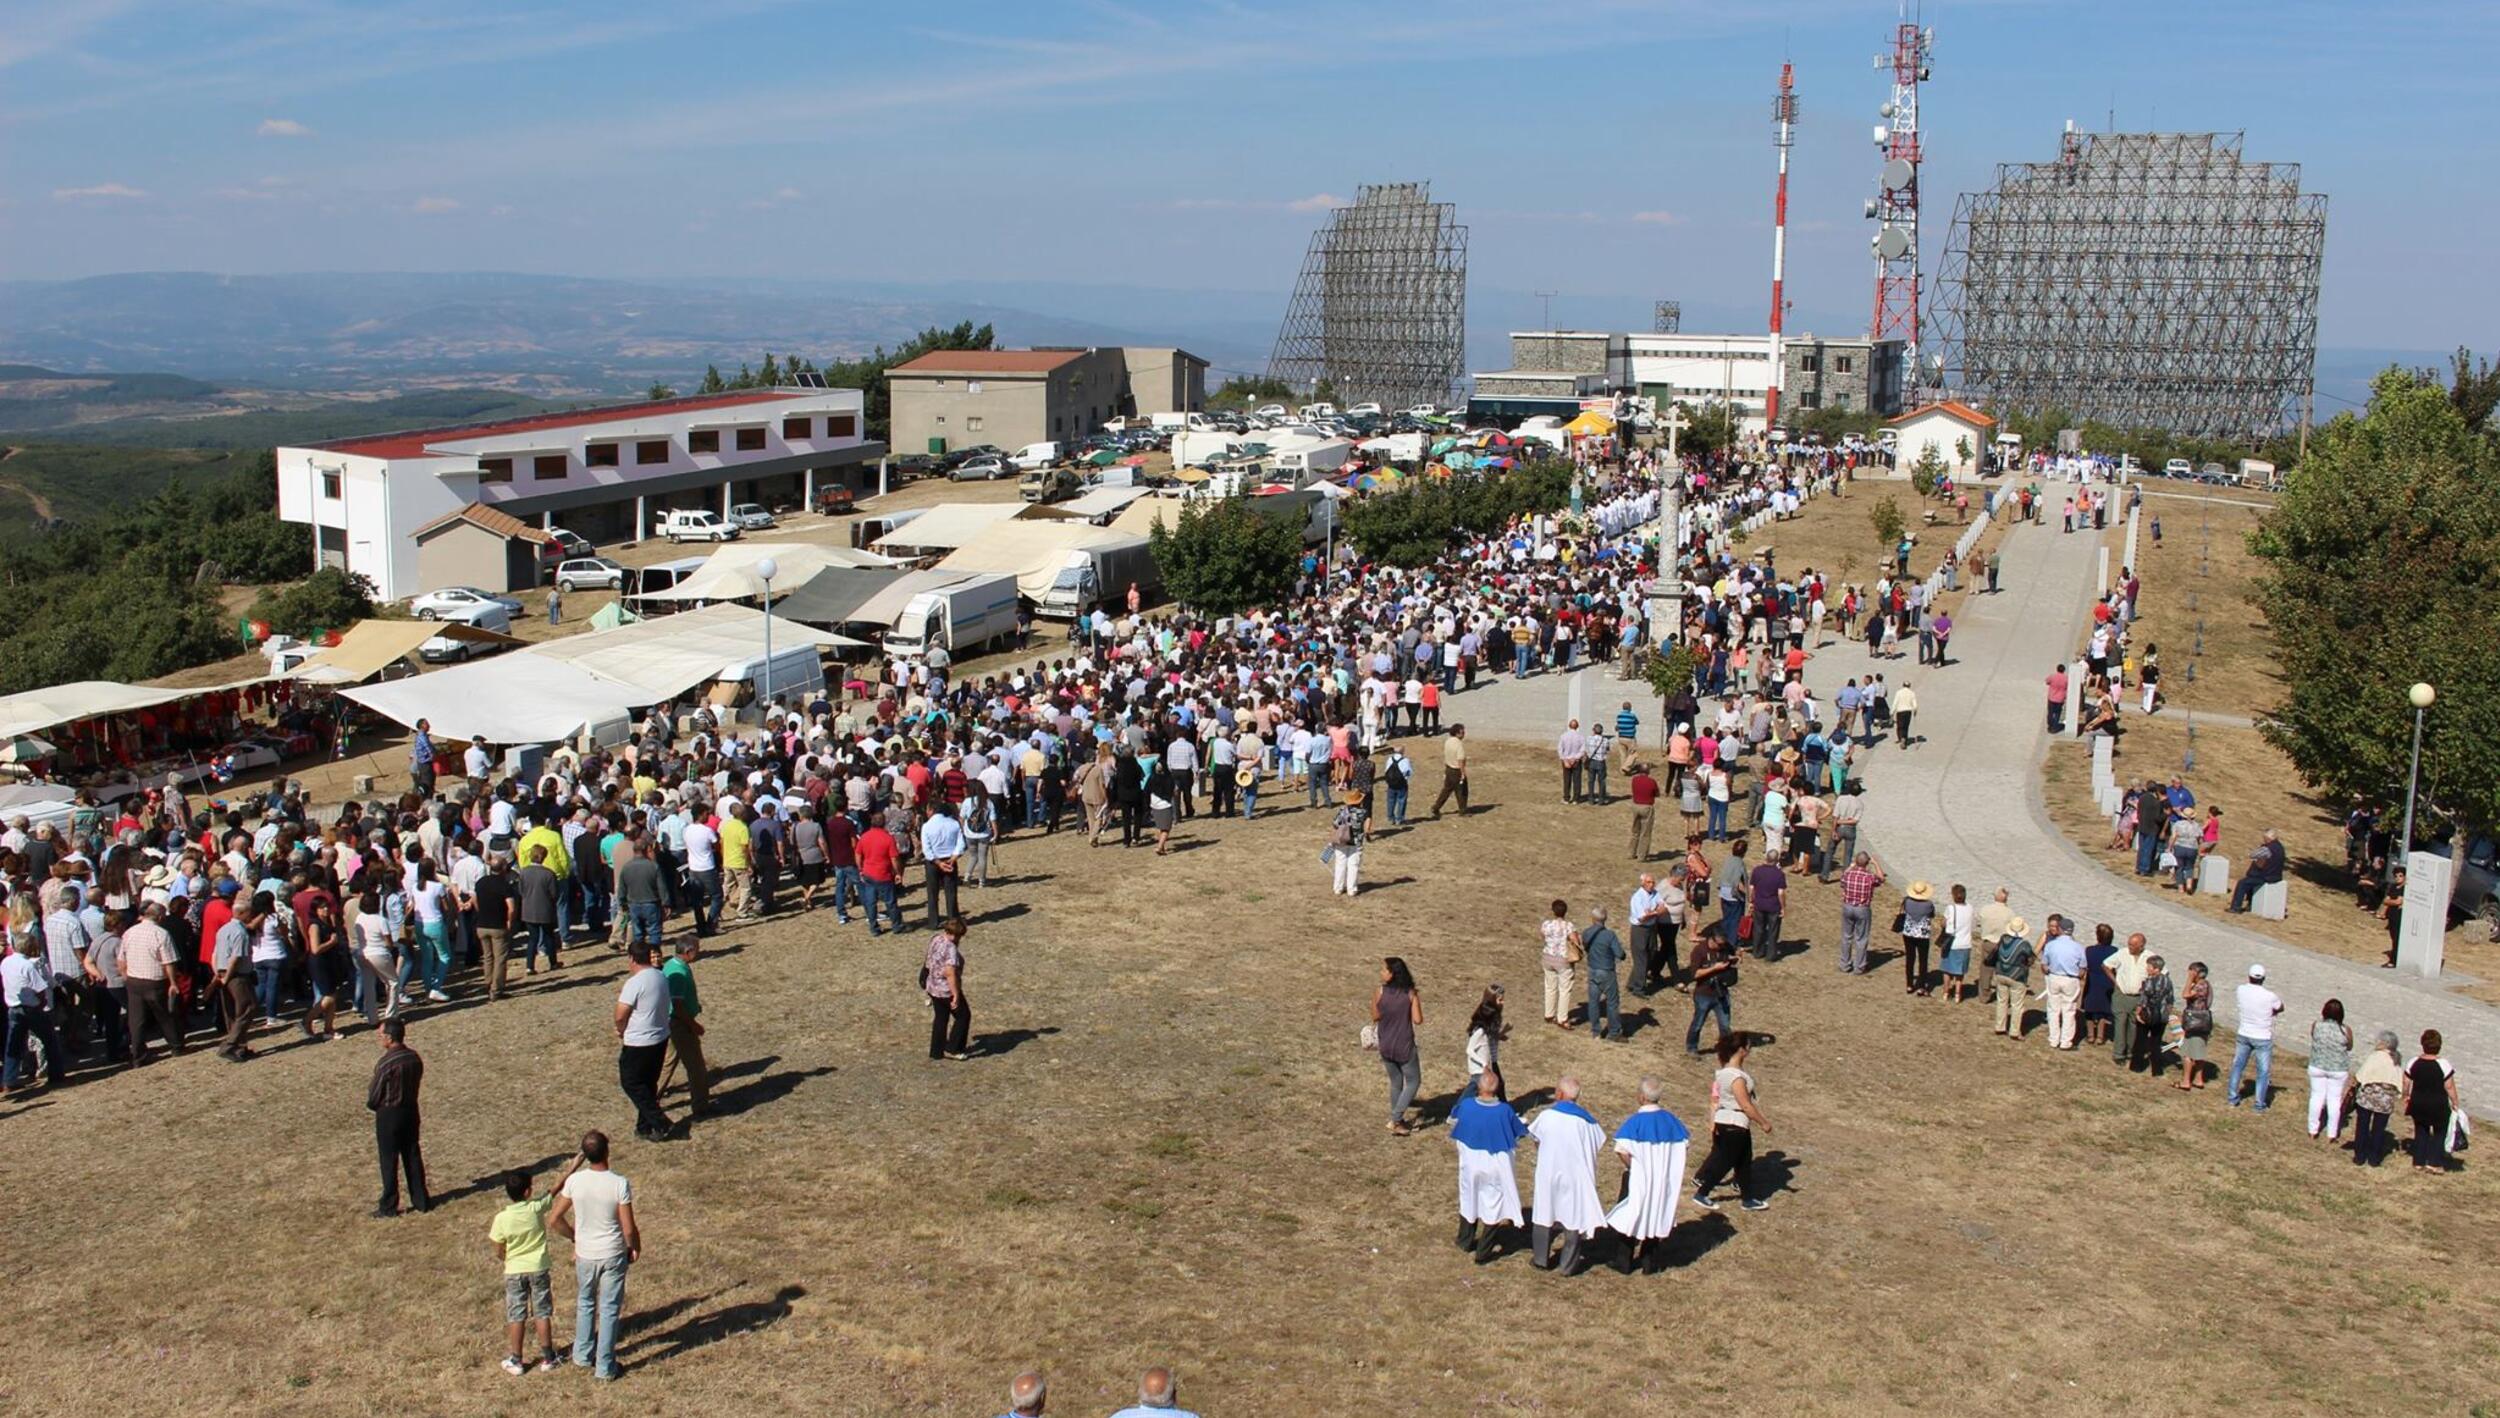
[1783,122]
[1895,205]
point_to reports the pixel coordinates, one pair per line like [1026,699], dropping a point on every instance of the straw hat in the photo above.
[1921,891]
[1350,797]
[1244,777]
[2018,926]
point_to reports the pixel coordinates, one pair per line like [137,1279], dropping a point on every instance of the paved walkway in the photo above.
[1964,805]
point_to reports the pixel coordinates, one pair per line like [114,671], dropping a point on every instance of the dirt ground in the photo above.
[1168,1149]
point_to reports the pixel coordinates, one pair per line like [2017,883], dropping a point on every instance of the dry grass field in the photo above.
[2200,582]
[1168,1148]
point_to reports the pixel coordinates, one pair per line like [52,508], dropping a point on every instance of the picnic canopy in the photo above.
[1590,424]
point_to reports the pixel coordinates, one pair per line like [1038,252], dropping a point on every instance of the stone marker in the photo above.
[2422,938]
[2271,902]
[2213,876]
[2074,698]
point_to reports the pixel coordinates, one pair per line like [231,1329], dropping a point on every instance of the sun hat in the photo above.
[1245,776]
[2018,926]
[1921,891]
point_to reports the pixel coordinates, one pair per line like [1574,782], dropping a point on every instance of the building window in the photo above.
[599,455]
[330,483]
[1057,424]
[1811,364]
[1813,400]
[494,470]
[972,386]
[703,440]
[798,428]
[651,450]
[972,423]
[841,426]
[941,420]
[1843,363]
[547,465]
[1840,401]
[750,440]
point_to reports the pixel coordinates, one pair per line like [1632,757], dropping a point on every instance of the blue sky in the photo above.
[1611,150]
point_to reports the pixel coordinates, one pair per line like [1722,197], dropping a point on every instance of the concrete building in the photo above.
[605,473]
[479,546]
[959,398]
[1959,433]
[1553,366]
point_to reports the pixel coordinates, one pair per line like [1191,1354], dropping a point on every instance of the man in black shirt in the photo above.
[392,1098]
[492,905]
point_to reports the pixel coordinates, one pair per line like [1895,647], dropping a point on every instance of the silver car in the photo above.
[590,573]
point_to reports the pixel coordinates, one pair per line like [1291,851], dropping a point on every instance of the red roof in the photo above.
[987,362]
[502,524]
[1955,407]
[417,442]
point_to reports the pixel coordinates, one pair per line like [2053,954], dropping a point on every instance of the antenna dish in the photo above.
[1898,174]
[1885,108]
[1892,243]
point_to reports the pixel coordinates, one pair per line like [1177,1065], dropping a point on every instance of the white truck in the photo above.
[1101,575]
[2256,472]
[1196,449]
[960,617]
[697,525]
[1173,422]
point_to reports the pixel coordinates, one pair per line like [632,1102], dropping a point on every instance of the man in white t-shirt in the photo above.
[596,1208]
[703,873]
[2258,1007]
[642,1010]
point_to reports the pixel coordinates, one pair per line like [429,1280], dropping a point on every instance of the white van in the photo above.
[697,525]
[1034,455]
[797,674]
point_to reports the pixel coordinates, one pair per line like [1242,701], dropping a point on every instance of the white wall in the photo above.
[1939,430]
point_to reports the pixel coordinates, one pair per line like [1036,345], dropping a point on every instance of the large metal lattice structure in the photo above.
[2146,280]
[1381,309]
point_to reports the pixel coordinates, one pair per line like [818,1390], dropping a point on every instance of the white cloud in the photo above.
[432,205]
[1316,202]
[1659,218]
[100,191]
[267,189]
[282,128]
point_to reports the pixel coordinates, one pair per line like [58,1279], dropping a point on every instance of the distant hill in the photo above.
[42,483]
[536,335]
[249,420]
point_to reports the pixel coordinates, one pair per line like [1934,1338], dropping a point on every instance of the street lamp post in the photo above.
[2422,696]
[766,570]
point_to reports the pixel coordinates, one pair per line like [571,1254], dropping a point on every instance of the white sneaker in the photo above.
[438,996]
[512,1365]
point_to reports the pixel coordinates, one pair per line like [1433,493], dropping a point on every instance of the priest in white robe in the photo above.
[1652,1142]
[1567,1140]
[1487,1132]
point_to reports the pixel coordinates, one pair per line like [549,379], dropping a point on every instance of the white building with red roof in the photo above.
[1959,433]
[605,473]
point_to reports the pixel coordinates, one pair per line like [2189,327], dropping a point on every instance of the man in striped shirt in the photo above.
[1628,725]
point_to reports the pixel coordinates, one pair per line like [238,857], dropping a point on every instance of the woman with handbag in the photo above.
[2430,1099]
[2376,1088]
[2154,1004]
[2196,1024]
[1917,926]
[1344,852]
[1559,953]
[2330,1066]
[1397,1011]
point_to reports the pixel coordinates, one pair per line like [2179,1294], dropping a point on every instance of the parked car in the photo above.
[595,573]
[837,500]
[1270,411]
[697,525]
[444,649]
[459,603]
[751,517]
[960,456]
[2178,468]
[1037,455]
[981,470]
[573,543]
[914,465]
[2474,888]
[1049,485]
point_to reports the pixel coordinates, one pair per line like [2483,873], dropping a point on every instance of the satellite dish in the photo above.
[1897,174]
[1892,243]
[1886,109]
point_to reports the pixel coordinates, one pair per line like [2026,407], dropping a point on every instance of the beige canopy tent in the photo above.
[1102,500]
[730,573]
[1032,552]
[950,525]
[550,691]
[1140,518]
[39,709]
[372,646]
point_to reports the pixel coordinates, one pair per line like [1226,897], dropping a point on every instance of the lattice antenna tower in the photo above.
[1895,204]
[1666,317]
[2144,280]
[1380,311]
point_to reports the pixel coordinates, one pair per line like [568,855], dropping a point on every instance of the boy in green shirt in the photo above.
[519,1235]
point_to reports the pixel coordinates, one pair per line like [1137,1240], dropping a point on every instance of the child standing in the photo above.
[519,1234]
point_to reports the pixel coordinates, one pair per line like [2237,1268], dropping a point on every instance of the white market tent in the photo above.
[371,646]
[730,573]
[39,709]
[549,692]
[1101,500]
[1032,552]
[951,524]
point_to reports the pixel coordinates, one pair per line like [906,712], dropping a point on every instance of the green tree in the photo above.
[1927,471]
[1708,428]
[659,391]
[2383,569]
[1226,555]
[712,382]
[1674,671]
[2473,388]
[329,599]
[1246,391]
[1885,517]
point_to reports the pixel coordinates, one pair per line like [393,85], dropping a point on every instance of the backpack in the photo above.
[1396,776]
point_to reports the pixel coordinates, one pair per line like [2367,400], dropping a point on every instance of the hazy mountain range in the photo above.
[567,337]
